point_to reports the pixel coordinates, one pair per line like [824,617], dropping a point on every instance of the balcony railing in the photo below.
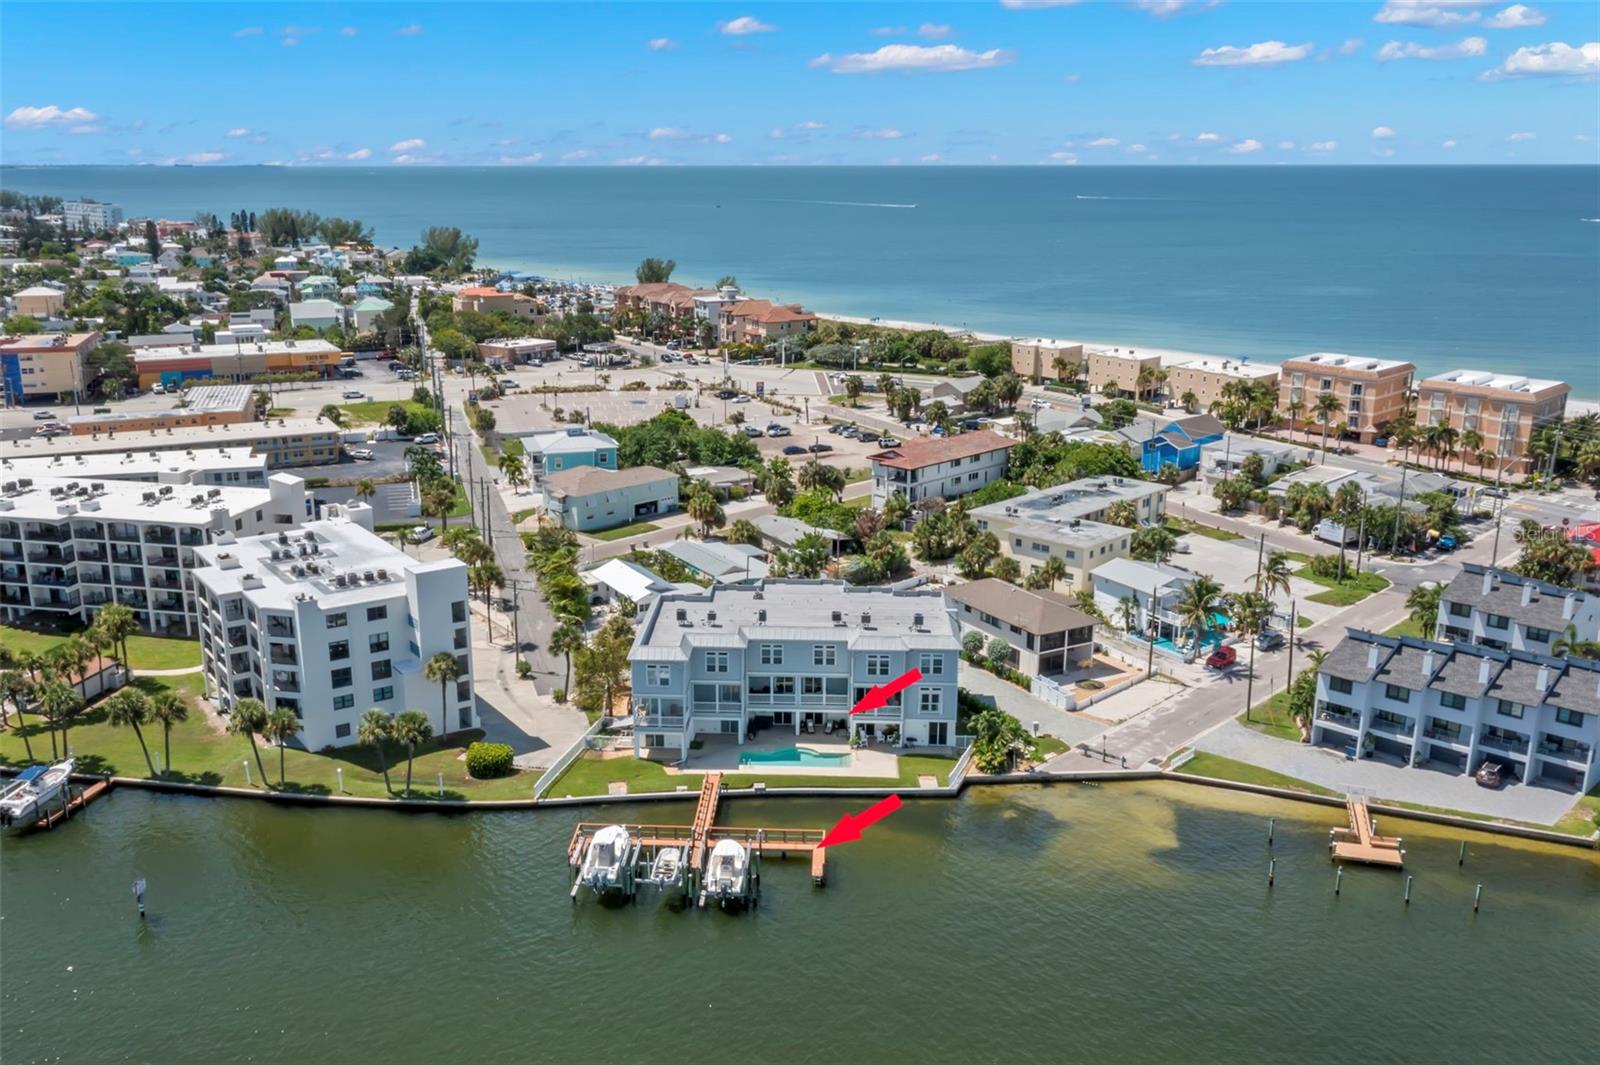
[644,719]
[159,535]
[1571,752]
[1445,735]
[1518,745]
[1342,718]
[1397,730]
[284,656]
[47,535]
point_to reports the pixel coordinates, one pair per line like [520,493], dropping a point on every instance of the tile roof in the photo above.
[931,450]
[1035,612]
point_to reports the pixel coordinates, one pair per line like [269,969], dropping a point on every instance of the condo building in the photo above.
[1371,392]
[280,441]
[1460,705]
[1507,611]
[1035,359]
[781,653]
[43,366]
[1069,522]
[1504,409]
[330,621]
[1205,379]
[70,546]
[939,467]
[205,466]
[88,215]
[1120,371]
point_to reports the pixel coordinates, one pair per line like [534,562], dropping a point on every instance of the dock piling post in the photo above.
[1409,879]
[1272,824]
[138,894]
[338,771]
[1272,871]
[1338,880]
[441,783]
[247,782]
[1461,856]
[1477,898]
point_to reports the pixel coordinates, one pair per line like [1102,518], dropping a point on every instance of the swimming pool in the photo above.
[793,756]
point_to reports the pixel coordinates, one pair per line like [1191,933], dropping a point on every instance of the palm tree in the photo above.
[1471,442]
[514,470]
[373,730]
[744,531]
[1128,612]
[443,669]
[438,499]
[1423,602]
[1008,389]
[1274,574]
[777,481]
[366,488]
[117,622]
[1251,615]
[1200,600]
[1297,407]
[896,509]
[1190,401]
[58,701]
[484,577]
[410,729]
[1328,406]
[249,717]
[813,475]
[169,708]
[15,687]
[567,638]
[703,507]
[129,707]
[1053,570]
[32,661]
[281,727]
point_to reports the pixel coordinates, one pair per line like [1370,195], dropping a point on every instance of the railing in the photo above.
[1504,743]
[1444,735]
[551,775]
[1339,717]
[1393,729]
[1570,752]
[160,536]
[675,722]
[54,536]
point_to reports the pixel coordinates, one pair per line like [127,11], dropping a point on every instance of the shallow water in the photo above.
[1070,923]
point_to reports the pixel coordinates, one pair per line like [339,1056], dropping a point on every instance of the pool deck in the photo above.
[723,753]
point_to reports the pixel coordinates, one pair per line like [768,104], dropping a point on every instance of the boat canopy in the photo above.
[33,772]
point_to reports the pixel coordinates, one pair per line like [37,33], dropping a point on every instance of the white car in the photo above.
[752,430]
[419,534]
[777,430]
[426,438]
[741,399]
[363,454]
[354,393]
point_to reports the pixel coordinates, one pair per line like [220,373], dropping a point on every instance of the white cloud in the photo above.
[201,158]
[49,115]
[412,30]
[521,160]
[1029,5]
[1428,12]
[913,59]
[259,138]
[811,126]
[745,25]
[1351,46]
[1104,142]
[667,133]
[1522,136]
[933,30]
[87,128]
[1383,153]
[1245,147]
[349,31]
[1286,146]
[1266,53]
[1065,158]
[1068,144]
[889,31]
[237,131]
[1449,144]
[1071,79]
[1463,49]
[402,160]
[1323,146]
[661,44]
[577,155]
[1582,138]
[1137,149]
[1164,8]
[1209,138]
[293,35]
[877,134]
[1553,60]
[722,138]
[247,31]
[409,145]
[932,158]
[1382,132]
[641,160]
[359,154]
[1515,17]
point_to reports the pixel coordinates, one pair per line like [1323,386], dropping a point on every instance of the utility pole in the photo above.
[1150,661]
[1361,539]
[1293,621]
[1400,509]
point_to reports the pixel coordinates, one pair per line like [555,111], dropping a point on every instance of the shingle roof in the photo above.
[1035,612]
[932,450]
[1545,610]
[588,480]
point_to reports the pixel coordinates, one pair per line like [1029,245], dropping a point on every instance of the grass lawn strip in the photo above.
[1272,717]
[144,652]
[622,532]
[593,775]
[1219,768]
[1347,592]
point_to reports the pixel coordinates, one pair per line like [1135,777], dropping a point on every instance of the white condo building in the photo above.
[91,216]
[330,621]
[70,545]
[780,652]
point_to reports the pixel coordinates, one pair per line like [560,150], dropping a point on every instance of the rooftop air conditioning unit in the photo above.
[711,617]
[866,617]
[916,621]
[683,616]
[761,616]
[98,486]
[838,617]
[283,538]
[10,486]
[383,574]
[166,489]
[366,575]
[25,482]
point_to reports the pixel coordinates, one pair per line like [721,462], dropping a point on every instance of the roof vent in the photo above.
[838,617]
[916,621]
[761,616]
[1527,592]
[1483,671]
[866,617]
[711,617]
[683,616]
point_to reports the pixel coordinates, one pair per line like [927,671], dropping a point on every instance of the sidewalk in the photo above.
[511,710]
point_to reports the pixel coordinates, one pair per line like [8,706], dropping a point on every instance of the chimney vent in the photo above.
[1372,657]
[1542,682]
[1527,592]
[1483,671]
[1570,606]
[1488,581]
[1427,664]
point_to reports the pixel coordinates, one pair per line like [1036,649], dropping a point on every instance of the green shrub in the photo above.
[1326,567]
[524,667]
[559,695]
[488,760]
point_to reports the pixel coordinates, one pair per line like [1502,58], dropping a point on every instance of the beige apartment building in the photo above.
[1119,368]
[758,321]
[1504,409]
[1206,378]
[40,301]
[44,365]
[1372,392]
[485,299]
[1035,359]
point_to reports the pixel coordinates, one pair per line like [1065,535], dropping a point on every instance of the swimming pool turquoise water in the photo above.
[793,756]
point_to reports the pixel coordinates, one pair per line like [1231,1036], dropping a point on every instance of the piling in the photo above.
[1272,871]
[441,783]
[246,764]
[1461,856]
[1477,898]
[1409,879]
[1272,824]
[1338,880]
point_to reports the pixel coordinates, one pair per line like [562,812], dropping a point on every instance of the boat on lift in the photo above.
[606,860]
[26,798]
[667,867]
[727,871]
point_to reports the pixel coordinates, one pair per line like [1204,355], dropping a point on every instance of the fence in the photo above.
[551,775]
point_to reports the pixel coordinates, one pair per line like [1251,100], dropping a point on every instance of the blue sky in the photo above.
[1008,81]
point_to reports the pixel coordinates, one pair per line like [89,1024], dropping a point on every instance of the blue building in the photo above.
[1179,443]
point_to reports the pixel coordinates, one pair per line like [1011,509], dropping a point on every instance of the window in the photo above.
[378,641]
[972,476]
[341,678]
[343,702]
[657,674]
[1453,701]
[772,654]
[1397,693]
[337,621]
[877,665]
[810,685]
[760,685]
[1540,635]
[341,731]
[931,665]
[1460,610]
[716,661]
[458,611]
[377,613]
[1498,621]
[824,654]
[931,701]
[1508,708]
[383,694]
[338,649]
[381,670]
[783,685]
[1569,717]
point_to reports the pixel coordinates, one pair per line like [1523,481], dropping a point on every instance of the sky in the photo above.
[995,82]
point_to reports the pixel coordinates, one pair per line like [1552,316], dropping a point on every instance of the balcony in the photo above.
[283,682]
[1573,754]
[55,555]
[159,581]
[1510,744]
[10,554]
[126,556]
[1328,715]
[280,628]
[1454,737]
[1396,730]
[170,603]
[160,535]
[125,534]
[91,553]
[669,722]
[47,535]
[164,557]
[284,656]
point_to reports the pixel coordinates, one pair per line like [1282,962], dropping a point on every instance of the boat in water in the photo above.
[26,798]
[607,859]
[727,870]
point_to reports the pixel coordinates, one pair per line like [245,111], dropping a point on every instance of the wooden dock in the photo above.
[72,803]
[1360,842]
[705,815]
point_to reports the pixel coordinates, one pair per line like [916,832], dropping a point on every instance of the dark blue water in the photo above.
[1492,267]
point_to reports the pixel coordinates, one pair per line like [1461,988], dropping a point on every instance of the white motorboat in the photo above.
[607,858]
[667,866]
[727,869]
[26,798]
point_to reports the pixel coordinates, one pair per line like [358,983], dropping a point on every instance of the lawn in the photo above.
[622,532]
[1584,818]
[1180,526]
[1272,717]
[592,775]
[203,755]
[376,411]
[1048,747]
[1219,768]
[1347,592]
[1408,627]
[144,652]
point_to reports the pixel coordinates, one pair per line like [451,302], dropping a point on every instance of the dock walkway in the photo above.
[1360,841]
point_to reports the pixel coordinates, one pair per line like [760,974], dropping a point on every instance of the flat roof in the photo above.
[1228,367]
[571,440]
[343,549]
[243,347]
[797,610]
[1489,379]
[125,501]
[182,436]
[175,465]
[208,399]
[1069,501]
[1333,360]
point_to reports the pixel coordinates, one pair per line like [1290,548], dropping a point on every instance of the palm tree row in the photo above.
[43,685]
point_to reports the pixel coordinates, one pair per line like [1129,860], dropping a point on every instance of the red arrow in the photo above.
[878,695]
[848,830]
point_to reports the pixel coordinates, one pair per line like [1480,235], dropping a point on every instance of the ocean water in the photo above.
[1484,267]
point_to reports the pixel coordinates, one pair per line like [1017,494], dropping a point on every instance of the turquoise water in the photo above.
[793,756]
[1488,267]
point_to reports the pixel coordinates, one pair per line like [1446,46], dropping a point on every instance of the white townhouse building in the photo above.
[939,467]
[69,546]
[330,621]
[782,652]
[1460,705]
[203,466]
[1069,522]
[1504,610]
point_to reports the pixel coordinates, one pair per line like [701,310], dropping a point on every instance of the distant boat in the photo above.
[728,868]
[608,856]
[26,798]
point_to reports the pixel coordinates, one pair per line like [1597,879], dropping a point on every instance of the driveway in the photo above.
[1071,727]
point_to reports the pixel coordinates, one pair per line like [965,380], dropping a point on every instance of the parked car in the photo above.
[794,449]
[752,430]
[418,534]
[851,431]
[836,428]
[51,429]
[1447,543]
[1490,775]
[362,454]
[819,447]
[426,438]
[50,415]
[776,429]
[1269,640]
[971,424]
[741,399]
[354,393]
[725,393]
[887,441]
[157,389]
[1497,493]
[1222,658]
[674,345]
[506,384]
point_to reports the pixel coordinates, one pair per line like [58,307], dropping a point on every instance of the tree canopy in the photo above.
[655,270]
[443,250]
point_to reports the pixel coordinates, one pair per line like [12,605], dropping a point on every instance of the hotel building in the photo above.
[329,621]
[279,441]
[783,652]
[1069,522]
[87,215]
[1460,705]
[939,467]
[1371,392]
[1035,359]
[69,546]
[236,466]
[1504,409]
